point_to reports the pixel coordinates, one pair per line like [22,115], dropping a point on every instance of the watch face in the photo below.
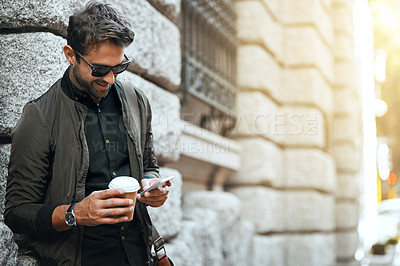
[70,219]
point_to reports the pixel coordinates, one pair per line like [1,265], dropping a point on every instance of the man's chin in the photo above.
[102,93]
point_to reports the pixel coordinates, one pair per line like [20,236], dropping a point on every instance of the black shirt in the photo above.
[116,244]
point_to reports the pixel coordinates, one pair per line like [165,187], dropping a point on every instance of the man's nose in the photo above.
[110,77]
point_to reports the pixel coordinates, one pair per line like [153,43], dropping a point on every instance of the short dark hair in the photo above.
[95,24]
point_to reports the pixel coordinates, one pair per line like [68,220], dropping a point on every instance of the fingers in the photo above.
[153,203]
[116,212]
[108,193]
[105,206]
[158,192]
[155,198]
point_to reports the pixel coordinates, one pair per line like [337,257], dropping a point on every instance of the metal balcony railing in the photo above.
[209,53]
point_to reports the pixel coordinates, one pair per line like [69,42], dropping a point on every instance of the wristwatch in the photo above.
[70,218]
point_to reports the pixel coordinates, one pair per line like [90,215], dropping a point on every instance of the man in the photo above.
[72,141]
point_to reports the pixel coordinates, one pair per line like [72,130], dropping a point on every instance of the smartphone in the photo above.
[160,183]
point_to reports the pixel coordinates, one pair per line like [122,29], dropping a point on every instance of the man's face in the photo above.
[106,54]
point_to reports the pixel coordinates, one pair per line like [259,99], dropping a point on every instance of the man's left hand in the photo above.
[156,197]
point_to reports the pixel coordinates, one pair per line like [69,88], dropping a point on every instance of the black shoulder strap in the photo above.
[158,241]
[132,99]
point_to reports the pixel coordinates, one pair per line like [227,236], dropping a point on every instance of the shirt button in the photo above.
[114,173]
[76,98]
[122,228]
[123,238]
[107,141]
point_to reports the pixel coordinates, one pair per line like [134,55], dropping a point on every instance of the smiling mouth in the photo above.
[102,85]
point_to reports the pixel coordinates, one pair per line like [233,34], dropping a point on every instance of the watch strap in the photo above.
[71,207]
[70,214]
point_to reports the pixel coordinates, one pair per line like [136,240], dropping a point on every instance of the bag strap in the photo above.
[133,105]
[158,241]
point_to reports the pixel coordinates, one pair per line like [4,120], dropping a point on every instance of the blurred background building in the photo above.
[264,110]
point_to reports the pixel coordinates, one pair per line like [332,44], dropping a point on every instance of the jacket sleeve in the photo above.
[28,174]
[150,165]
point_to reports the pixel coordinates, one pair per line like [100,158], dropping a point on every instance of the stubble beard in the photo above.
[84,85]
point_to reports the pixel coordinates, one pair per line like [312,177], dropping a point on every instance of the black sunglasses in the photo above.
[101,71]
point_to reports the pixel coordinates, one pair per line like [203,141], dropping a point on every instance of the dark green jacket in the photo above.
[50,159]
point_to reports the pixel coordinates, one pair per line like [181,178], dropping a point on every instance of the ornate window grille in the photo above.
[209,53]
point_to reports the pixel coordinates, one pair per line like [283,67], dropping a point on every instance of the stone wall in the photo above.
[346,133]
[298,108]
[293,157]
[32,35]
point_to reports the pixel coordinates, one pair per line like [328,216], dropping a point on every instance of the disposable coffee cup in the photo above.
[130,185]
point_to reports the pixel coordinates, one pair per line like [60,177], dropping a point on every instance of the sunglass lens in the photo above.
[121,68]
[100,71]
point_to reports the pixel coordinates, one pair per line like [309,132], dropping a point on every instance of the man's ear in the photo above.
[69,54]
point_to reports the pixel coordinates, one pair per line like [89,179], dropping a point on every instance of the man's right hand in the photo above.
[100,207]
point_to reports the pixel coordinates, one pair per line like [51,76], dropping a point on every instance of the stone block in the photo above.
[168,218]
[27,75]
[344,73]
[350,262]
[169,8]
[342,3]
[346,244]
[26,260]
[345,102]
[347,215]
[306,86]
[348,187]
[26,14]
[274,6]
[257,69]
[347,157]
[342,16]
[255,25]
[156,50]
[4,158]
[309,169]
[327,5]
[203,145]
[304,127]
[238,243]
[303,12]
[258,115]
[261,163]
[310,211]
[166,117]
[201,231]
[346,128]
[227,206]
[303,46]
[179,251]
[269,250]
[263,207]
[344,47]
[310,249]
[8,248]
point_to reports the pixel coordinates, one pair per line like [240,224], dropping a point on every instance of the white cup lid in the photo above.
[128,183]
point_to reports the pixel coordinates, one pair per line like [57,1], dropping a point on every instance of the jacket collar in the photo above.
[80,96]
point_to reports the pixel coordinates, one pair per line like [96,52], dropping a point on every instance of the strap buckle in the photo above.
[159,245]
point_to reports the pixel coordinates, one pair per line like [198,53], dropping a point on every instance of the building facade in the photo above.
[257,113]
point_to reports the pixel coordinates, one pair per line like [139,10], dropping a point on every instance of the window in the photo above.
[209,59]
